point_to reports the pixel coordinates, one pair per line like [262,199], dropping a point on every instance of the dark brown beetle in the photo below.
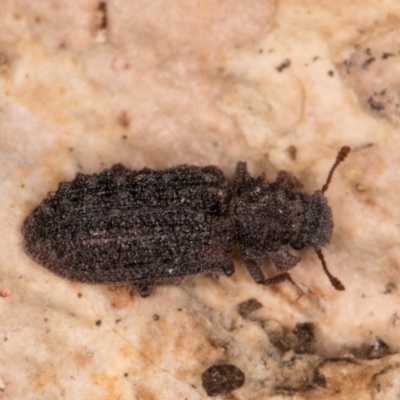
[139,227]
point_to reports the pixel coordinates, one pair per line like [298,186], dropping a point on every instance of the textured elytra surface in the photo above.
[139,227]
[125,226]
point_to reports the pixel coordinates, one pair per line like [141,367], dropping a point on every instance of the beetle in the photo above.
[123,226]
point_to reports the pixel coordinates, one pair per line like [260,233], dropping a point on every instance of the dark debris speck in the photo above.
[300,339]
[367,62]
[390,288]
[285,64]
[247,307]
[319,379]
[292,151]
[102,10]
[220,379]
[386,55]
[304,334]
[375,105]
[123,119]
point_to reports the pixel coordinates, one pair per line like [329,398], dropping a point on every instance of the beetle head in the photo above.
[317,222]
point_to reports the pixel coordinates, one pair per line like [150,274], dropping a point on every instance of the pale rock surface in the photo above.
[280,84]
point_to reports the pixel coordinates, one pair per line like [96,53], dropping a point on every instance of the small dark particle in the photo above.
[318,379]
[117,321]
[222,379]
[300,339]
[123,119]
[124,137]
[386,55]
[101,22]
[247,307]
[360,187]
[102,10]
[390,287]
[156,317]
[292,151]
[375,105]
[331,73]
[280,339]
[284,65]
[368,62]
[304,334]
[98,322]
[126,374]
[79,295]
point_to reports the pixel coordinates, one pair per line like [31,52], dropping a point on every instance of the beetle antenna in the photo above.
[343,152]
[334,281]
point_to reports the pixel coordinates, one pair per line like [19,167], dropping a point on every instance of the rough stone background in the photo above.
[281,84]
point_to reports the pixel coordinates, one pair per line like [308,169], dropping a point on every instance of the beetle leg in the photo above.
[285,276]
[144,288]
[283,260]
[228,268]
[241,175]
[254,270]
[256,273]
